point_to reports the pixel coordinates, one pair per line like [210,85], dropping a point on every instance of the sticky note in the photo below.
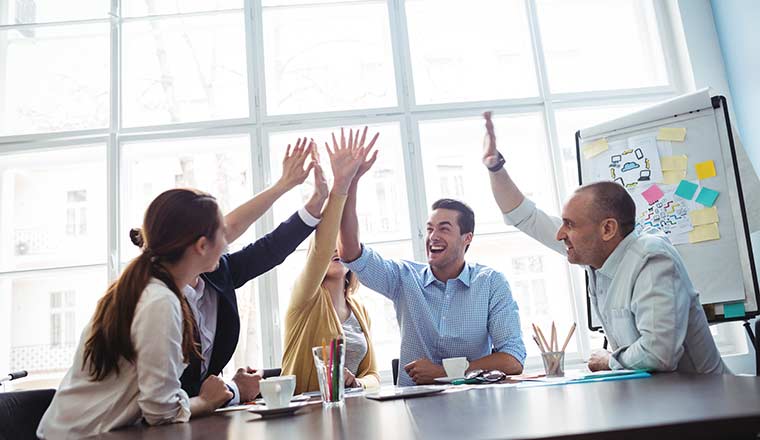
[733,310]
[595,148]
[671,134]
[686,189]
[674,162]
[652,194]
[705,170]
[704,216]
[707,196]
[672,177]
[704,233]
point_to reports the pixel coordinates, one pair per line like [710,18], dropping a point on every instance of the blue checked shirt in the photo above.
[466,316]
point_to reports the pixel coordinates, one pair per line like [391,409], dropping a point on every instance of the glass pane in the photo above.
[451,153]
[538,278]
[54,79]
[570,120]
[601,45]
[34,207]
[220,166]
[326,57]
[249,350]
[382,204]
[184,70]
[386,338]
[45,11]
[477,52]
[132,8]
[38,337]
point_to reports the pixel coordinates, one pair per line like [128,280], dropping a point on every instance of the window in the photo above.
[327,56]
[62,316]
[103,105]
[480,52]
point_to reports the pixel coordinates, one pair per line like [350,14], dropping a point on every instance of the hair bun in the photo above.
[135,234]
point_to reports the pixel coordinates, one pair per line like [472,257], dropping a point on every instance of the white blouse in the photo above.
[147,389]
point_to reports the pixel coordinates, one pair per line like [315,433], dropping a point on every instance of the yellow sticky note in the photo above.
[705,170]
[595,148]
[673,177]
[674,162]
[704,216]
[704,233]
[671,134]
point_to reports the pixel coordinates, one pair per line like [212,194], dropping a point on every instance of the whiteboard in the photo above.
[722,270]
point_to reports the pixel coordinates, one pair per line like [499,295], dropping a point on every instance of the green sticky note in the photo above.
[734,310]
[707,196]
[686,189]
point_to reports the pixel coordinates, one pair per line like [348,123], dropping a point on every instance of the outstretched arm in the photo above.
[293,174]
[508,196]
[349,246]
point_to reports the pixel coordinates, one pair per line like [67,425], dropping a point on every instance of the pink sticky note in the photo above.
[653,194]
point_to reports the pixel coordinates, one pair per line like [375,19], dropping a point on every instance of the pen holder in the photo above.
[554,363]
[330,374]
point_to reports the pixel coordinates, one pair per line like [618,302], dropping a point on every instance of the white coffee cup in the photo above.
[277,391]
[455,367]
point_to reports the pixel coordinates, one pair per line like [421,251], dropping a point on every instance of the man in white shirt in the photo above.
[638,284]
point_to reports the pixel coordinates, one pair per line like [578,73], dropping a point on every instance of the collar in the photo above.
[463,277]
[610,266]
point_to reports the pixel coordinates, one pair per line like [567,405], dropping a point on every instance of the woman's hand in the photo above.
[350,379]
[345,159]
[214,392]
[293,172]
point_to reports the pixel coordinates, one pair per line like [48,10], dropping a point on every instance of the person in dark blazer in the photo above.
[213,299]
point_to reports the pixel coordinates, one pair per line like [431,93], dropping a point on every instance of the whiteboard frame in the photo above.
[695,102]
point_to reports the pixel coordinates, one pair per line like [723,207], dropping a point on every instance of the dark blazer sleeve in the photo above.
[266,252]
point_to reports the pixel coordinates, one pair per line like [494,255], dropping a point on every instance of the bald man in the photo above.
[638,284]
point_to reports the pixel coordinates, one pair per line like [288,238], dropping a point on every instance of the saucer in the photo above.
[265,412]
[446,379]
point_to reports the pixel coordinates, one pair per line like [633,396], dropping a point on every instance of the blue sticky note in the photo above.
[735,310]
[707,196]
[686,189]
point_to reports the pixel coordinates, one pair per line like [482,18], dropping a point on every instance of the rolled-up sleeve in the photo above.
[381,275]
[504,319]
[157,338]
[537,224]
[661,317]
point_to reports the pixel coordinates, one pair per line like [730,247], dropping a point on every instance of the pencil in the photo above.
[329,373]
[543,339]
[569,335]
[535,333]
[554,337]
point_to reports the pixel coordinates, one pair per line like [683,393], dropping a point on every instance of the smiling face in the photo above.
[336,269]
[445,244]
[581,232]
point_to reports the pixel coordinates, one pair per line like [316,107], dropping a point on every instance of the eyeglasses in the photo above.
[481,376]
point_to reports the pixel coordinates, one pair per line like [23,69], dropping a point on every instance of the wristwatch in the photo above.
[499,165]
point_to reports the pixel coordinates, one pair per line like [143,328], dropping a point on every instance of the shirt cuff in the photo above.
[232,386]
[307,218]
[519,214]
[613,363]
[360,263]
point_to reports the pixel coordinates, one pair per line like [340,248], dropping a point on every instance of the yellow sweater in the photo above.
[311,317]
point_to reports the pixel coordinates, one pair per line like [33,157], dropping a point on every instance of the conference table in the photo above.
[672,406]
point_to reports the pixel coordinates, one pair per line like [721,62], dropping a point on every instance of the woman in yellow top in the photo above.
[322,304]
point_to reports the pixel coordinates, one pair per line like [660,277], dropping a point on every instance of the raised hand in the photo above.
[321,190]
[293,172]
[366,163]
[345,159]
[490,153]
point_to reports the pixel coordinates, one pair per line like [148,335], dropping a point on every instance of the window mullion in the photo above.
[554,153]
